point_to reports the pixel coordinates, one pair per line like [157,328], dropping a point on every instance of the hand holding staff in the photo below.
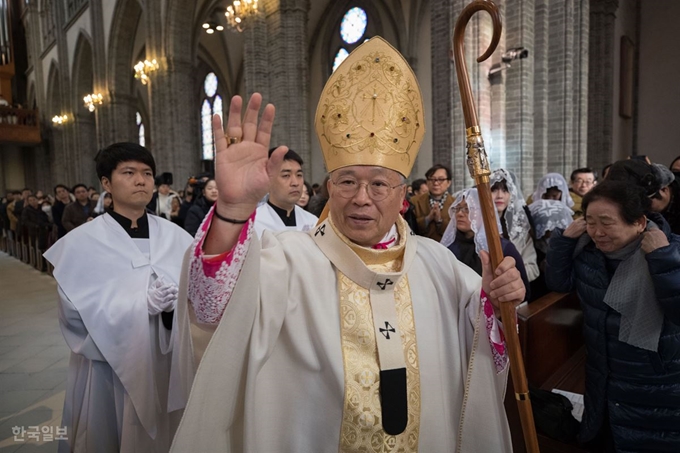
[478,165]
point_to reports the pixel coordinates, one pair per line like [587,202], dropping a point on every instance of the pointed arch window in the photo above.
[141,132]
[211,105]
[353,32]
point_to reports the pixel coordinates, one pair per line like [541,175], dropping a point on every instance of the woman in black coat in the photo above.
[625,266]
[201,207]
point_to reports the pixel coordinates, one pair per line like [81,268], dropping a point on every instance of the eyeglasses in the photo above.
[437,180]
[377,190]
[458,209]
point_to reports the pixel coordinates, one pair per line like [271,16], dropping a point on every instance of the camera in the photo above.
[515,53]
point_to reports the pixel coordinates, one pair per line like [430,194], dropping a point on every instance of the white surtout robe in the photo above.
[117,393]
[271,378]
[267,219]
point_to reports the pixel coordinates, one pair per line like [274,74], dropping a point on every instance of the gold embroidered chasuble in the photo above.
[274,376]
[362,428]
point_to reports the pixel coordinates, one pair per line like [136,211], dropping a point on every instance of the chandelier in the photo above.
[143,69]
[92,100]
[238,12]
[58,120]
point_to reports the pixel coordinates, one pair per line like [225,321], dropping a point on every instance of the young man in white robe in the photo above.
[281,211]
[356,336]
[117,282]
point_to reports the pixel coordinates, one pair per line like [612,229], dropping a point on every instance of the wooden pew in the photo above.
[550,332]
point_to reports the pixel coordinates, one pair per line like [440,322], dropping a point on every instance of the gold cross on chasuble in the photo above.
[365,402]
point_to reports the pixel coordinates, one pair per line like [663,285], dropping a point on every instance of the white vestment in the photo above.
[117,394]
[267,219]
[271,378]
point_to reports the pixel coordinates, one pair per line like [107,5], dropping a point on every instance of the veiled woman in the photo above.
[515,221]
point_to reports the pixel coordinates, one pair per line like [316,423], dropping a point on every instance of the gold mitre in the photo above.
[371,111]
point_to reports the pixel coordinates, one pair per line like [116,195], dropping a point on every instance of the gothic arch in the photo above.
[55,135]
[230,44]
[180,24]
[124,26]
[86,143]
[82,72]
[54,99]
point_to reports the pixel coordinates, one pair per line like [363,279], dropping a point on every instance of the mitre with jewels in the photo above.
[371,111]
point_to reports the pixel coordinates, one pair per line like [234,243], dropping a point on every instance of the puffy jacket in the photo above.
[637,390]
[196,214]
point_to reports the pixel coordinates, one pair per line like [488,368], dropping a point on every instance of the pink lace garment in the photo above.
[212,280]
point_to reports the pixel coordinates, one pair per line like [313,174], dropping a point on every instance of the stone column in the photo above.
[174,140]
[444,88]
[601,82]
[255,57]
[581,92]
[561,54]
[519,83]
[120,112]
[540,61]
[82,157]
[289,73]
[172,103]
[104,117]
[64,148]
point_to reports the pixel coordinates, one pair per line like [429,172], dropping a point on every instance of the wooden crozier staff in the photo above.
[478,165]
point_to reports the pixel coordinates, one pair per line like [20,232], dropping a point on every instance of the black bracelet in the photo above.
[225,219]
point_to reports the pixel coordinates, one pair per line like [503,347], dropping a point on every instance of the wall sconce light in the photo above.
[92,100]
[212,27]
[143,69]
[58,120]
[238,12]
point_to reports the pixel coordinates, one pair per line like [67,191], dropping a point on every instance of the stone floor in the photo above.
[33,357]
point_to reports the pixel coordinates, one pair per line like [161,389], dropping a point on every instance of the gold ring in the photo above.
[233,140]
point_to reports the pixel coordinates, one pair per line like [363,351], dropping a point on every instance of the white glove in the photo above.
[161,296]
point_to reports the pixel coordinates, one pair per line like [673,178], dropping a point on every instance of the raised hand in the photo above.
[242,166]
[242,169]
[575,229]
[653,239]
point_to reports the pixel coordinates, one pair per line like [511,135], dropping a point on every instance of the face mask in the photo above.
[47,209]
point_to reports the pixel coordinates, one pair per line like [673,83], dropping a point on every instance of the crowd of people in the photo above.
[586,229]
[358,314]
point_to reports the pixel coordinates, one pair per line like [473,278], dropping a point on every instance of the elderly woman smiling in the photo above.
[625,266]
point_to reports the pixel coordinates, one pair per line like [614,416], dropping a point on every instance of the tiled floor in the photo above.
[33,356]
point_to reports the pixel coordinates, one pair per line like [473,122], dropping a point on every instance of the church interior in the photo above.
[593,81]
[572,84]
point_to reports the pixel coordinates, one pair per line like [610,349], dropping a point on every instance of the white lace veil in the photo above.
[550,214]
[471,197]
[99,209]
[516,219]
[553,180]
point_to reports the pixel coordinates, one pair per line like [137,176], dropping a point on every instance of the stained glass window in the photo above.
[339,58]
[354,30]
[212,105]
[140,129]
[353,25]
[210,84]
